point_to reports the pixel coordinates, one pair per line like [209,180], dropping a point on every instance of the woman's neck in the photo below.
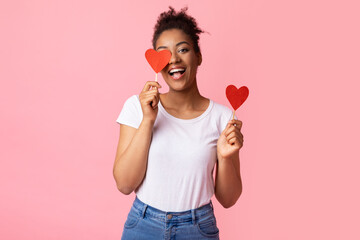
[183,100]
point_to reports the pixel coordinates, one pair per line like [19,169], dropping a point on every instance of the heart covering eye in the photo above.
[157,60]
[236,96]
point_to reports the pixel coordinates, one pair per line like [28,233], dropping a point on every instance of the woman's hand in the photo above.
[149,100]
[230,140]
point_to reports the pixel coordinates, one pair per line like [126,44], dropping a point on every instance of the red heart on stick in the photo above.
[157,60]
[236,96]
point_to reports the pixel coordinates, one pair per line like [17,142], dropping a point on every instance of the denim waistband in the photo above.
[193,214]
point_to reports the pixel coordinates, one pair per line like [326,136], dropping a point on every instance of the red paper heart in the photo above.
[157,60]
[236,96]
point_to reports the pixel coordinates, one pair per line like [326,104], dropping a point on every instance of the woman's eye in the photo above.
[183,50]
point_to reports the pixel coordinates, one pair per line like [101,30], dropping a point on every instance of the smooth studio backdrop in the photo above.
[66,68]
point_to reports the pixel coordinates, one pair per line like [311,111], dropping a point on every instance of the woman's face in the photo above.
[180,73]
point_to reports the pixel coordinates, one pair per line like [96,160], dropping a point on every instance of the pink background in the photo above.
[66,68]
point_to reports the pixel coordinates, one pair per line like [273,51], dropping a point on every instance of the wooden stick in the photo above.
[233,115]
[155,79]
[154,87]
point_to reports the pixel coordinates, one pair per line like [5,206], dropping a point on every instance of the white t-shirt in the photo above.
[182,155]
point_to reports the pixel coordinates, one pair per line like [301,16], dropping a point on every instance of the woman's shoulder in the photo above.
[133,98]
[131,113]
[220,108]
[221,114]
[133,102]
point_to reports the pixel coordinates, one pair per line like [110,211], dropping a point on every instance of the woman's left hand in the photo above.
[230,140]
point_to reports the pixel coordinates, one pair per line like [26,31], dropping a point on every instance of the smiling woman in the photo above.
[184,60]
[169,145]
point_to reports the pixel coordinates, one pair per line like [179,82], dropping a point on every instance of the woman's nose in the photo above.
[174,58]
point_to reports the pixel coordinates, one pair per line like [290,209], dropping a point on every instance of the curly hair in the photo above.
[179,20]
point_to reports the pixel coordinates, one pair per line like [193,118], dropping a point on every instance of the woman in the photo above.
[169,144]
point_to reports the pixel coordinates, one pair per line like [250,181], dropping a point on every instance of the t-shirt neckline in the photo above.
[191,120]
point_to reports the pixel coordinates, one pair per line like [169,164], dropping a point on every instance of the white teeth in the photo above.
[176,70]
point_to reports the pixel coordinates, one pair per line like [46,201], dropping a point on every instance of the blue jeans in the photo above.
[148,223]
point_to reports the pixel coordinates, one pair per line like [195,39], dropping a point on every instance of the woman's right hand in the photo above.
[149,99]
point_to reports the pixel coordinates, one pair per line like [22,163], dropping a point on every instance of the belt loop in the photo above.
[144,210]
[211,205]
[193,215]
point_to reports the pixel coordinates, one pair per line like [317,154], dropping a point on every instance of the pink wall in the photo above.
[66,68]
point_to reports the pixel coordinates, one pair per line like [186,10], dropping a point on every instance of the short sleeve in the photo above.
[226,116]
[131,113]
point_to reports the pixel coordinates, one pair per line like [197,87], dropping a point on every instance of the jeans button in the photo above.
[169,216]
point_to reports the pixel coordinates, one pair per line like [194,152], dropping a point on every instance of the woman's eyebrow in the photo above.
[182,43]
[161,47]
[179,43]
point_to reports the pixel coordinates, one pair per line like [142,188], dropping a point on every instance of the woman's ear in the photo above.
[200,58]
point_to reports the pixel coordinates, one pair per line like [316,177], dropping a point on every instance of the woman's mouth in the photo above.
[177,73]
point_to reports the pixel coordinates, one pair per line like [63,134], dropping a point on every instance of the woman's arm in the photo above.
[228,185]
[131,157]
[133,147]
